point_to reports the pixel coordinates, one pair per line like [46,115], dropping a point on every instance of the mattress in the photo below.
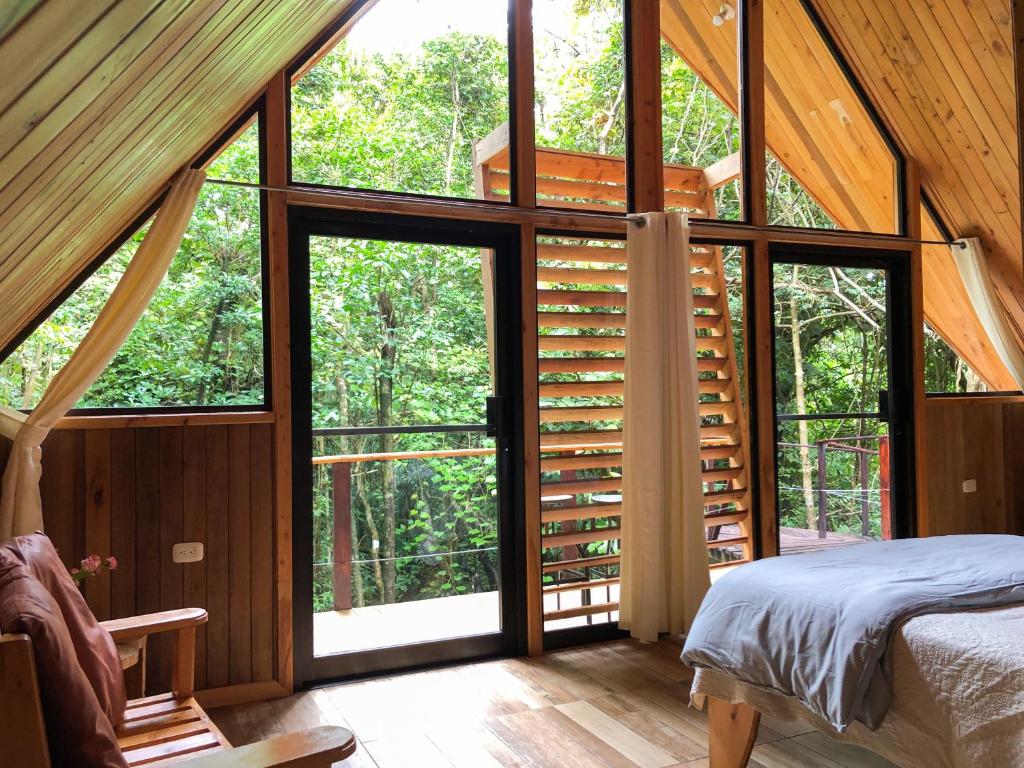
[957,693]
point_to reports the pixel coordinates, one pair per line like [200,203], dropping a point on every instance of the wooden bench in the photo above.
[167,729]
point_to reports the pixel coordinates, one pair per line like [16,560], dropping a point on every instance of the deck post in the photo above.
[341,482]
[883,486]
[822,492]
[865,503]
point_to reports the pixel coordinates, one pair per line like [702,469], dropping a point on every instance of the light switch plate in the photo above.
[189,552]
[970,486]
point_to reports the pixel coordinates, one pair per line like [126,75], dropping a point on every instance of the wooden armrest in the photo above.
[135,627]
[312,748]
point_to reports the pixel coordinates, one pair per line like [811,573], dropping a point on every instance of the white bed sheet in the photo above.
[958,693]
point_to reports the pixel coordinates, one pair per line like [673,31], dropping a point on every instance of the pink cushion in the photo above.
[93,645]
[78,730]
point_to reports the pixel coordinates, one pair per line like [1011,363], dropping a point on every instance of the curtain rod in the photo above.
[638,218]
[630,217]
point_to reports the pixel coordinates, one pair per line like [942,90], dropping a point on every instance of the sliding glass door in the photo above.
[405,484]
[843,407]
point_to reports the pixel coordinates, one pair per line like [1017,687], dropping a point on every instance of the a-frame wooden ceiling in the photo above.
[101,102]
[940,74]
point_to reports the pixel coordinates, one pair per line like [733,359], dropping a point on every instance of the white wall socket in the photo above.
[970,486]
[189,552]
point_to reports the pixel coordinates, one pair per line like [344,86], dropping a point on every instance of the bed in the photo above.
[948,690]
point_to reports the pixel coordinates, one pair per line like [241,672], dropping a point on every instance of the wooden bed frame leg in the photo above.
[731,733]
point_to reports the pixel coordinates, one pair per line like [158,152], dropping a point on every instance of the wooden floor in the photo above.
[614,705]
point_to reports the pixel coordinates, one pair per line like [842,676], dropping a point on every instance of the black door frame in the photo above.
[900,359]
[504,240]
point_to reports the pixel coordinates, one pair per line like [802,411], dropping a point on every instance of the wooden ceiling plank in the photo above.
[41,39]
[69,74]
[145,109]
[964,86]
[101,184]
[102,127]
[245,56]
[106,76]
[934,144]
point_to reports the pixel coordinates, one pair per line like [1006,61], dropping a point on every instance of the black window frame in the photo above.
[255,114]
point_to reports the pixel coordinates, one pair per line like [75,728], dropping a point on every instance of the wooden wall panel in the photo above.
[974,439]
[134,493]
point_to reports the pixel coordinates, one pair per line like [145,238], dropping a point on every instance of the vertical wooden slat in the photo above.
[147,546]
[912,183]
[277,238]
[523,135]
[1013,442]
[1018,65]
[531,444]
[752,112]
[240,561]
[171,517]
[97,516]
[218,535]
[645,174]
[262,489]
[60,460]
[122,522]
[193,453]
[49,487]
[762,395]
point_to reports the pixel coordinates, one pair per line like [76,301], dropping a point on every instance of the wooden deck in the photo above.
[416,621]
[614,705]
[420,621]
[793,541]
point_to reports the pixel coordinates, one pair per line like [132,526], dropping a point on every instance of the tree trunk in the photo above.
[385,405]
[211,337]
[801,406]
[33,377]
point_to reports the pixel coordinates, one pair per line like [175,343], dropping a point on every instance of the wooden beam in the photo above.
[724,171]
[280,364]
[645,174]
[523,149]
[760,341]
[1018,66]
[752,111]
[912,181]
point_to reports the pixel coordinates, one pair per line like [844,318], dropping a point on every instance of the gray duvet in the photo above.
[816,626]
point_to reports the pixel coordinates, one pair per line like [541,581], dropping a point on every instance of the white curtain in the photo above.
[664,572]
[21,509]
[970,261]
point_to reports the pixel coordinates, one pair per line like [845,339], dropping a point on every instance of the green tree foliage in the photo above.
[200,341]
[398,329]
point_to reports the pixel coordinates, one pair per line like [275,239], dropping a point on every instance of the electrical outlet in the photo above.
[970,486]
[189,552]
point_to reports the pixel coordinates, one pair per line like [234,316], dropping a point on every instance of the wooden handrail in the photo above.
[358,458]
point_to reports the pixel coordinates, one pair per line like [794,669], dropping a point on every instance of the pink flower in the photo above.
[73,571]
[92,563]
[112,563]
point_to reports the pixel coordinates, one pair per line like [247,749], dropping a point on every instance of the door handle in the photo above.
[884,406]
[495,416]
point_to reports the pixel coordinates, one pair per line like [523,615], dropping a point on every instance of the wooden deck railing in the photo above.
[341,490]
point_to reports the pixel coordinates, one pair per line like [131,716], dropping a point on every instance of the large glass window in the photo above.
[700,106]
[200,342]
[828,164]
[399,104]
[580,91]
